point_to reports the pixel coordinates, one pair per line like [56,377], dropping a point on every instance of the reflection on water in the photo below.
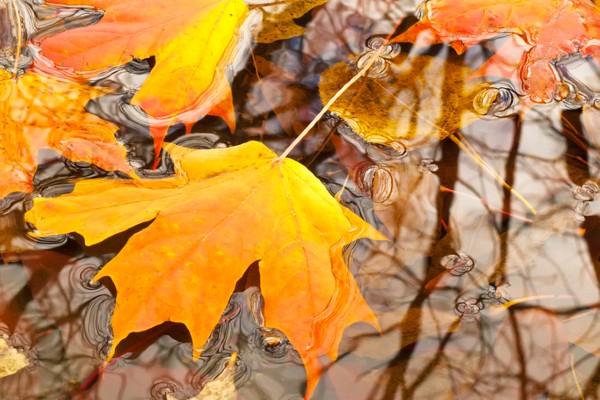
[60,320]
[481,291]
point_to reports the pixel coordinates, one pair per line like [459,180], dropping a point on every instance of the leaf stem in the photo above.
[19,36]
[327,106]
[356,77]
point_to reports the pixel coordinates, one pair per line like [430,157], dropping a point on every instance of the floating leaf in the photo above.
[235,206]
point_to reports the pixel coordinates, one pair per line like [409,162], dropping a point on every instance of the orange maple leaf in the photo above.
[229,208]
[551,30]
[39,111]
[192,42]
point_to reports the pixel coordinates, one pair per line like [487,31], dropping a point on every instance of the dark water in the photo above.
[477,295]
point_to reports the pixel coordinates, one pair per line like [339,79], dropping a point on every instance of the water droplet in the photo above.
[469,309]
[458,264]
[562,91]
[389,51]
[428,165]
[388,152]
[161,389]
[376,181]
[381,64]
[87,277]
[494,295]
[584,195]
[274,343]
[379,67]
[588,191]
[496,101]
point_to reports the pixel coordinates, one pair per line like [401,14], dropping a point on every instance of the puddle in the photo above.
[487,288]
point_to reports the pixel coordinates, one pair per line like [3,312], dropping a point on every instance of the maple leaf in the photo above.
[418,98]
[41,111]
[42,19]
[278,20]
[232,207]
[191,41]
[470,22]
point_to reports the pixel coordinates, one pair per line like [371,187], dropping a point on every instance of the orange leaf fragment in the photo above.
[229,208]
[192,42]
[551,30]
[39,111]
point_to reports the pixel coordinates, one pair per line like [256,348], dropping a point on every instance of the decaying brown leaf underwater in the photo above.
[324,199]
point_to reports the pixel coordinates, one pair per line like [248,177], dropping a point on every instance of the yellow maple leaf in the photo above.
[231,207]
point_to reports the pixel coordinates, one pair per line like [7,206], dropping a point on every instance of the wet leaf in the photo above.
[40,111]
[192,48]
[417,98]
[38,19]
[11,361]
[230,208]
[470,22]
[278,21]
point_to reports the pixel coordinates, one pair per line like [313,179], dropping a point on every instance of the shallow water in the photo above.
[477,295]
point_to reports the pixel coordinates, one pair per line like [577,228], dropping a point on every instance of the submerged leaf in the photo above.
[40,111]
[417,99]
[238,205]
[278,21]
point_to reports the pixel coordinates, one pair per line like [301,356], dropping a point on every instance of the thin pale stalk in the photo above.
[327,106]
[473,154]
[572,362]
[352,81]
